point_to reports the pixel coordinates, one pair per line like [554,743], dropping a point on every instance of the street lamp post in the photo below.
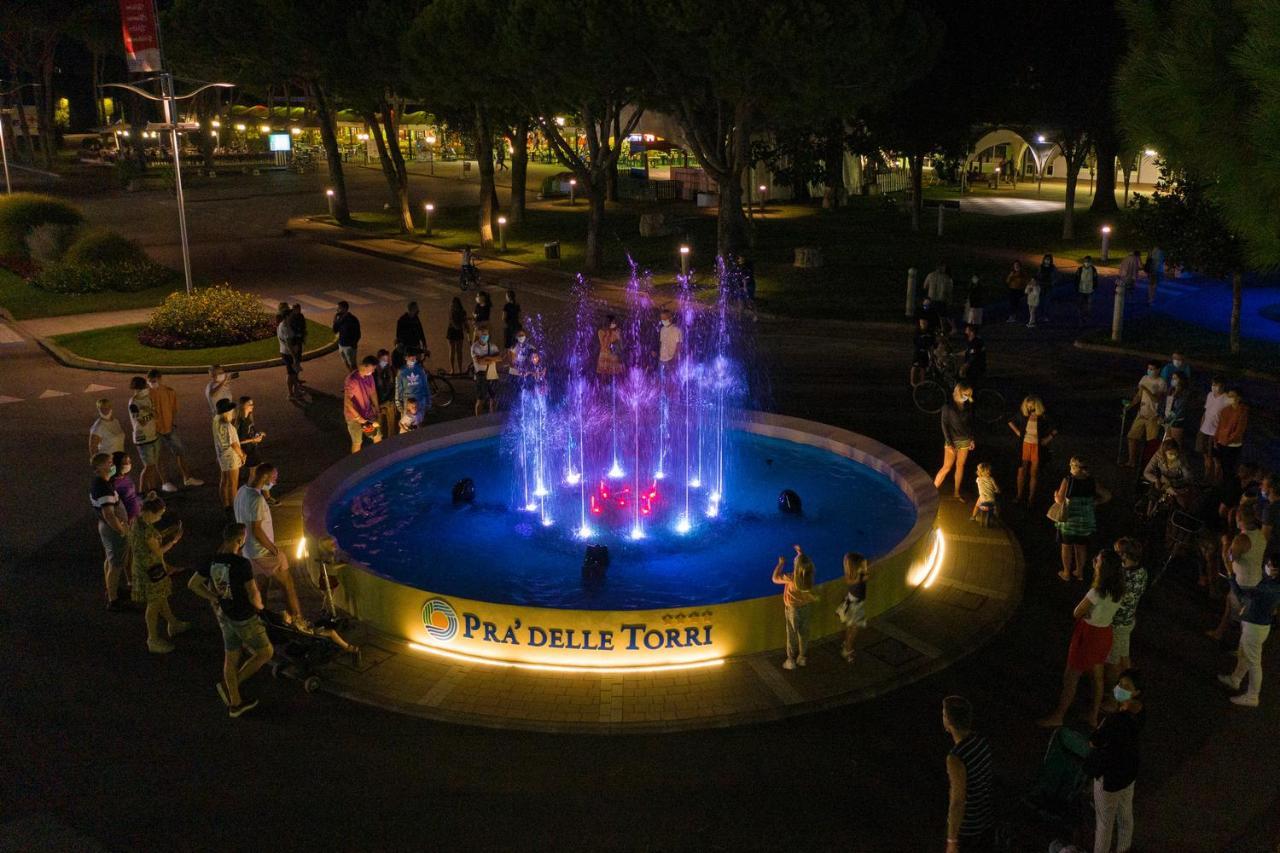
[1106,243]
[573,191]
[328,194]
[684,260]
[426,218]
[502,232]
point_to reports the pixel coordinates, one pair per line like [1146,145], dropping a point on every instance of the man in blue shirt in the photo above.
[1258,606]
[1177,364]
[411,384]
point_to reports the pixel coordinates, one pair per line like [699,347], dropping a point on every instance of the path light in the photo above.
[764,195]
[426,218]
[1150,152]
[1041,139]
[573,191]
[295,130]
[684,260]
[240,127]
[502,232]
[329,195]
[1106,243]
[265,128]
[431,140]
[215,123]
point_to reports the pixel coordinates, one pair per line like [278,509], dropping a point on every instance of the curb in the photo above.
[1216,367]
[67,358]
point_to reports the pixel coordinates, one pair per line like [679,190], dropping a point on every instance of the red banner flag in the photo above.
[141,34]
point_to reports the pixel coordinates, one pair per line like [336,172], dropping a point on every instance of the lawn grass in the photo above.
[1163,334]
[120,344]
[25,302]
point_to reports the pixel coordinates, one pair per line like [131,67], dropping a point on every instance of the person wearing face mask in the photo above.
[105,435]
[230,456]
[1214,402]
[609,362]
[1170,474]
[1175,408]
[411,384]
[1229,438]
[125,488]
[1086,284]
[1257,610]
[1114,763]
[957,434]
[1148,400]
[218,387]
[151,575]
[485,358]
[384,383]
[1177,365]
[484,307]
[266,557]
[112,527]
[518,357]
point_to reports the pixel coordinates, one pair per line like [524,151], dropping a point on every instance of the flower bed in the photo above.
[210,317]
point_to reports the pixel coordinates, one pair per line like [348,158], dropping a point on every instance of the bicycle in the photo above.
[941,376]
[469,277]
[441,389]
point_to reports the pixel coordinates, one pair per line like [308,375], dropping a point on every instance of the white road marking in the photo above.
[354,299]
[382,294]
[9,336]
[6,399]
[89,389]
[49,394]
[313,301]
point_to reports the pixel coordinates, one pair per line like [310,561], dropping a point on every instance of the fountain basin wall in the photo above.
[413,606]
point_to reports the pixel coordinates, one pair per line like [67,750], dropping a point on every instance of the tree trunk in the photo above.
[1104,193]
[598,190]
[332,153]
[731,224]
[204,113]
[390,122]
[48,136]
[611,174]
[1074,156]
[916,164]
[1237,296]
[136,110]
[1128,173]
[519,171]
[488,189]
[833,166]
[397,187]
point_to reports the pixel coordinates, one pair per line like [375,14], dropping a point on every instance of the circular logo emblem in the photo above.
[440,619]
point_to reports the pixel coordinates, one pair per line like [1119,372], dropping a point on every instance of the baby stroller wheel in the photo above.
[275,669]
[312,684]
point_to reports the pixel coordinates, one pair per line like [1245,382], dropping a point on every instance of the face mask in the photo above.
[1151,373]
[383,362]
[1177,362]
[665,323]
[520,339]
[479,301]
[1171,457]
[1176,383]
[613,325]
[1121,694]
[484,339]
[112,472]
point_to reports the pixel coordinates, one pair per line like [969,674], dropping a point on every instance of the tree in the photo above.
[724,72]
[1201,84]
[1182,217]
[29,34]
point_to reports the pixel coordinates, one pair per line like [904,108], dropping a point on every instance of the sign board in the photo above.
[141,35]
[280,142]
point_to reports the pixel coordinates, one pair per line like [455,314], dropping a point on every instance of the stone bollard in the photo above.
[1117,313]
[911,292]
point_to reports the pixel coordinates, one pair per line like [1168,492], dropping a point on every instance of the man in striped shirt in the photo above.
[970,822]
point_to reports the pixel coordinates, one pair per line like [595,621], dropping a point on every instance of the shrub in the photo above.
[22,212]
[128,277]
[209,317]
[48,242]
[103,246]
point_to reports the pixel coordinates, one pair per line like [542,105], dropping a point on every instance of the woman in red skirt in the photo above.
[1091,639]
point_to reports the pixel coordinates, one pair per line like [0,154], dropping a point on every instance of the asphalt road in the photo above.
[103,744]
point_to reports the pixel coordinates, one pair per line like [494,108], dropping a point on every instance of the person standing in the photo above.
[1046,276]
[609,362]
[126,489]
[853,610]
[1135,584]
[484,307]
[1257,610]
[347,327]
[1076,520]
[922,344]
[1214,402]
[1033,301]
[165,400]
[226,582]
[1155,272]
[1175,408]
[957,435]
[297,336]
[291,367]
[1228,441]
[1129,269]
[219,387]
[113,528]
[105,434]
[974,366]
[510,319]
[1242,555]
[360,404]
[409,334]
[1177,364]
[231,457]
[249,435]
[519,356]
[142,417]
[1092,637]
[670,343]
[938,286]
[1114,762]
[151,584]
[797,605]
[974,301]
[485,358]
[1015,284]
[1086,284]
[970,804]
[1149,400]
[267,558]
[457,335]
[384,382]
[1037,432]
[411,384]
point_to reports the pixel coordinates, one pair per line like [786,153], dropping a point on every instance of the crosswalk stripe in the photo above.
[4,398]
[353,298]
[89,389]
[9,336]
[313,300]
[405,287]
[50,394]
[381,294]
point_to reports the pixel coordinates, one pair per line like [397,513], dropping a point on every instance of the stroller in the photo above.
[1061,792]
[299,653]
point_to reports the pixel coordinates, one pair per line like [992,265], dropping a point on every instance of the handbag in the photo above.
[1056,512]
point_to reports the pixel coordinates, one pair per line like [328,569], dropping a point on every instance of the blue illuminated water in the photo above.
[402,524]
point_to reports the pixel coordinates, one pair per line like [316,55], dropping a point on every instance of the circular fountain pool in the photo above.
[689,572]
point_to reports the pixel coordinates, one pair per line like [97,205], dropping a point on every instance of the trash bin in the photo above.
[552,250]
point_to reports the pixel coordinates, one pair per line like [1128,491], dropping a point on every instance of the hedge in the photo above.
[209,317]
[128,277]
[20,213]
[103,246]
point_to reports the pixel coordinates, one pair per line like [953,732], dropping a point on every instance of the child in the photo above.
[987,491]
[411,419]
[797,602]
[923,343]
[852,611]
[1033,302]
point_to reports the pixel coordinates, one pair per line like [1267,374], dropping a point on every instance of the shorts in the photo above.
[1144,429]
[248,634]
[149,452]
[115,546]
[1204,443]
[173,441]
[290,365]
[854,613]
[1030,451]
[486,388]
[268,565]
[1120,635]
[355,429]
[1089,647]
[960,444]
[229,461]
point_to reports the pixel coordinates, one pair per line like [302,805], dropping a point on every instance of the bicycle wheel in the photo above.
[464,282]
[441,391]
[988,405]
[929,397]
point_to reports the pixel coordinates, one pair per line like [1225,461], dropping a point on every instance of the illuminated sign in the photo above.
[281,142]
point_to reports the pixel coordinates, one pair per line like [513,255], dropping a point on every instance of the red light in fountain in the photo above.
[615,499]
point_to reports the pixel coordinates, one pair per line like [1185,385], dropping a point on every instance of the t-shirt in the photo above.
[1214,403]
[479,350]
[142,416]
[166,404]
[251,506]
[223,392]
[1150,390]
[225,436]
[283,333]
[110,434]
[938,286]
[1104,609]
[987,489]
[103,494]
[1088,278]
[227,574]
[669,340]
[1135,584]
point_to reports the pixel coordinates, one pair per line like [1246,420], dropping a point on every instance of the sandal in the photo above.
[1064,577]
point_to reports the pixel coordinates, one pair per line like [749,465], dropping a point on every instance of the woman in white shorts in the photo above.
[226,444]
[853,610]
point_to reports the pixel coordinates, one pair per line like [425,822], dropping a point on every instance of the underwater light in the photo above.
[616,472]
[683,525]
[572,478]
[695,483]
[637,532]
